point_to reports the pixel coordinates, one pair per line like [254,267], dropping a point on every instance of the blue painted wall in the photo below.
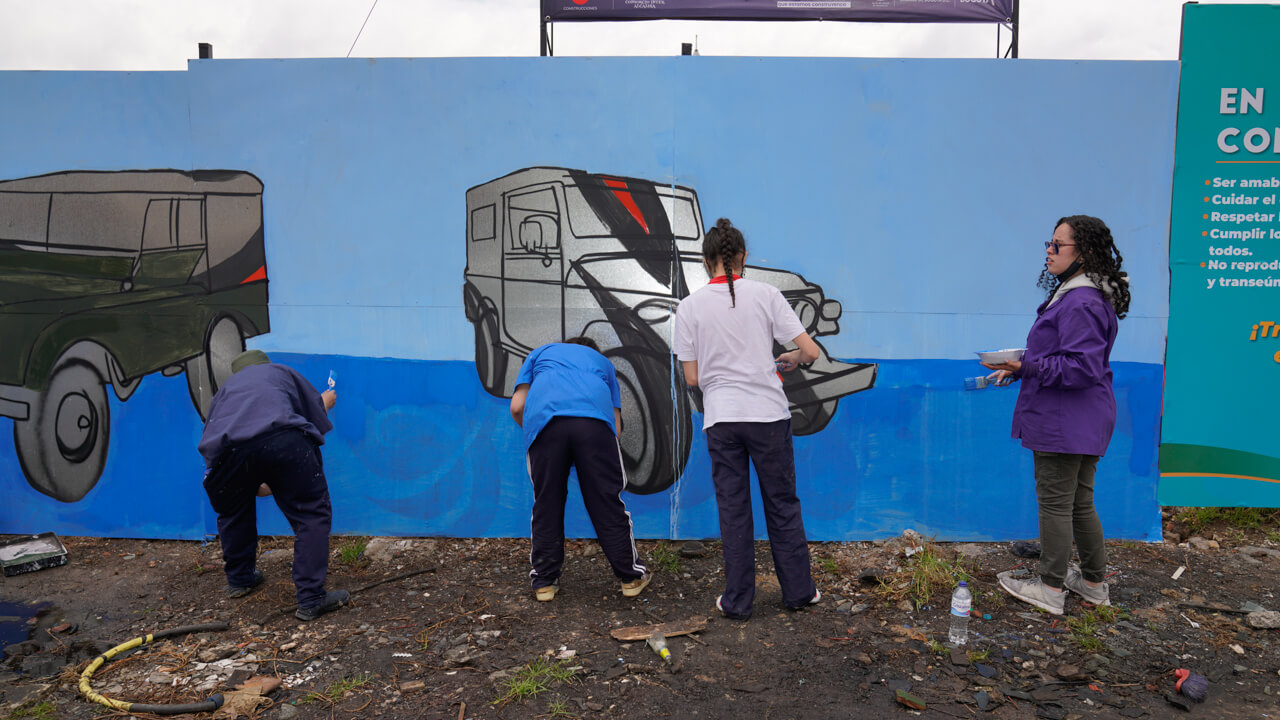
[918,193]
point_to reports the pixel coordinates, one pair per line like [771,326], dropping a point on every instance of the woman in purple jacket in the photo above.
[1066,409]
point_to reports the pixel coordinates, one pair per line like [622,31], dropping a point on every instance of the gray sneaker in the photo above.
[1034,591]
[1074,582]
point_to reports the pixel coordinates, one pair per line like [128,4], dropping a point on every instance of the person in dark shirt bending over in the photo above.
[266,425]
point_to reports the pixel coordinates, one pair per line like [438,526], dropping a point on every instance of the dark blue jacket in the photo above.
[261,399]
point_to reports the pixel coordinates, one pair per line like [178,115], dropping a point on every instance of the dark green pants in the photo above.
[1064,487]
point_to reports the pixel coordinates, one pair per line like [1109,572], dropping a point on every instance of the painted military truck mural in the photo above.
[553,253]
[106,277]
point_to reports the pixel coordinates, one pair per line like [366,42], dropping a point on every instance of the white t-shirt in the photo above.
[733,347]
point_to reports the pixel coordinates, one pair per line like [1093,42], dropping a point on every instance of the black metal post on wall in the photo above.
[544,36]
[205,51]
[1013,45]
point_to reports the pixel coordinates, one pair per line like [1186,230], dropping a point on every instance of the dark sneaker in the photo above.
[239,592]
[1035,592]
[731,617]
[1074,582]
[817,598]
[632,588]
[333,600]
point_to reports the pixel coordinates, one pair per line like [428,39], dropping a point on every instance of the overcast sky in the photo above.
[163,34]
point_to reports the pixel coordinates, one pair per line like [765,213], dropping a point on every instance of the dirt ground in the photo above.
[464,638]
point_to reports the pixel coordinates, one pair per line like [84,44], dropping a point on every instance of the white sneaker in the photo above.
[1074,581]
[1035,592]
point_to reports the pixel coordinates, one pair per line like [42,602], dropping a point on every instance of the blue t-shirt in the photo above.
[567,380]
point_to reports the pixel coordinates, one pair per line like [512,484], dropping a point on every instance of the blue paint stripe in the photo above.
[420,449]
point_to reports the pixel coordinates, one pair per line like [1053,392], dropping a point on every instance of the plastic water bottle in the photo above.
[658,642]
[961,602]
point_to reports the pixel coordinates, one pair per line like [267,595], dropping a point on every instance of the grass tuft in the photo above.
[339,689]
[932,570]
[665,557]
[1084,629]
[979,655]
[559,708]
[1198,519]
[33,710]
[539,676]
[351,552]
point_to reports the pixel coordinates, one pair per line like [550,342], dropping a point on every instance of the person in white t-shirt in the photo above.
[724,339]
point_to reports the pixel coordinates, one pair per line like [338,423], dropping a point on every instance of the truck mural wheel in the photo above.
[62,445]
[657,429]
[491,358]
[207,371]
[812,418]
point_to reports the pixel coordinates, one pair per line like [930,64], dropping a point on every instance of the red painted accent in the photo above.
[722,279]
[630,204]
[259,274]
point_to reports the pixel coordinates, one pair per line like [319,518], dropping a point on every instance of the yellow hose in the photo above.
[86,677]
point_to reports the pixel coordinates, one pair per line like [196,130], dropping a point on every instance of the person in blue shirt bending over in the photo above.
[266,425]
[568,402]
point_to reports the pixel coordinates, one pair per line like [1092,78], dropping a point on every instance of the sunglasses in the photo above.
[1055,246]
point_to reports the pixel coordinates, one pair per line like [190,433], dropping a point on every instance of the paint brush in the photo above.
[985,381]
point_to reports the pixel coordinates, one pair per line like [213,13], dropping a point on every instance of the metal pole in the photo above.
[206,51]
[1013,46]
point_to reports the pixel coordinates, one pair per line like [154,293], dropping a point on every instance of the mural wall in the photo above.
[425,223]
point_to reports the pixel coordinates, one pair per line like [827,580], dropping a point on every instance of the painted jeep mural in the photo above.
[106,277]
[553,253]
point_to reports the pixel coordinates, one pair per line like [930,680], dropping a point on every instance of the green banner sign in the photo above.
[1219,434]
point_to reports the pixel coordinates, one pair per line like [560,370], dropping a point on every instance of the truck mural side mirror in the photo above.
[531,235]
[539,233]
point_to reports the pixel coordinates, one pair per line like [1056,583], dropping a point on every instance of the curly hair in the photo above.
[724,243]
[1099,258]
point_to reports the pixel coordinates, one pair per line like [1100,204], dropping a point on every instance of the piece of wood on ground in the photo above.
[262,684]
[635,633]
[909,700]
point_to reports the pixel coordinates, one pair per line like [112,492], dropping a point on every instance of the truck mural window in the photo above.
[106,277]
[610,257]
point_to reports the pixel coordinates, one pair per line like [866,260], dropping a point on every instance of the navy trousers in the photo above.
[589,445]
[768,447]
[290,463]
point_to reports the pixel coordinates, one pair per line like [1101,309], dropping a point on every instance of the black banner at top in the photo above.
[926,11]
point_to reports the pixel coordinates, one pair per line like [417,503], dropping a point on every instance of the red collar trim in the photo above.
[723,279]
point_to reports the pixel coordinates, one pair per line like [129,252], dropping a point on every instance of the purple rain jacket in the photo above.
[258,400]
[1066,404]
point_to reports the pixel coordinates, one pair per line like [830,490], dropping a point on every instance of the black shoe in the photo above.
[333,600]
[239,592]
[1029,549]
